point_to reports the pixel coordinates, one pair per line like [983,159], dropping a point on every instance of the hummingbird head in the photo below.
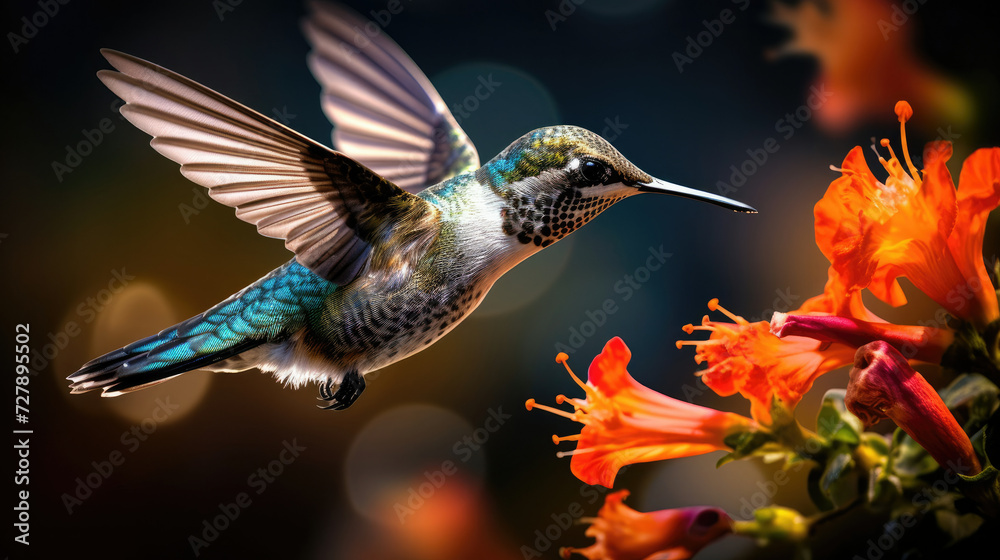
[553,180]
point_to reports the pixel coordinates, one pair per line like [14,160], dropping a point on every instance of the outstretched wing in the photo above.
[385,112]
[321,202]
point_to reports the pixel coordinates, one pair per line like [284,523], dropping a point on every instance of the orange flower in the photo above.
[625,422]
[745,358]
[865,62]
[838,298]
[914,225]
[622,533]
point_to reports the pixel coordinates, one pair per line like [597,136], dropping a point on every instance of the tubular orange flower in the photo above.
[747,358]
[914,225]
[622,533]
[625,422]
[883,385]
[927,344]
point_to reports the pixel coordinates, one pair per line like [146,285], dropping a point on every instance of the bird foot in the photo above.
[348,391]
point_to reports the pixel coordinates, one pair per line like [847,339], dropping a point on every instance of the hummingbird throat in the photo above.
[548,217]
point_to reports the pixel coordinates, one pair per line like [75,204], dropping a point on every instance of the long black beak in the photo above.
[658,186]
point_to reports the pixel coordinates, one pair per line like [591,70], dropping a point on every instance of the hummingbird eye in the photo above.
[594,172]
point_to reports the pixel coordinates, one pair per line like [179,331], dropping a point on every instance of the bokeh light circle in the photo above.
[114,317]
[403,457]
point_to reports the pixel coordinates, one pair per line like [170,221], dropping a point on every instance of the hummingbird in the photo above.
[397,235]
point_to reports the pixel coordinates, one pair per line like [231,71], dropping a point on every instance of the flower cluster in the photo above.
[914,224]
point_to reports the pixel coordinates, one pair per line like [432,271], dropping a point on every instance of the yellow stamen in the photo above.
[716,342]
[904,112]
[576,451]
[580,404]
[582,385]
[531,405]
[713,305]
[886,144]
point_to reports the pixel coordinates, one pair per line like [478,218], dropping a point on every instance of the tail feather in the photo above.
[271,308]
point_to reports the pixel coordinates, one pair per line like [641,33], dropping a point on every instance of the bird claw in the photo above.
[347,392]
[325,392]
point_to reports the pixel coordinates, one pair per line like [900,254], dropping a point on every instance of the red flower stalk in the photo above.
[927,344]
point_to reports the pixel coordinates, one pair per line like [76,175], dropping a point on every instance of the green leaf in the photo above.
[991,438]
[910,459]
[957,526]
[974,351]
[883,489]
[876,442]
[984,488]
[816,493]
[839,480]
[835,422]
[745,444]
[970,389]
[987,476]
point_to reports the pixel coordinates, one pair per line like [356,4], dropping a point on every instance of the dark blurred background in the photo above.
[109,243]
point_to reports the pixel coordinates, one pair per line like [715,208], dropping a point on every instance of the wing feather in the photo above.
[385,112]
[289,186]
